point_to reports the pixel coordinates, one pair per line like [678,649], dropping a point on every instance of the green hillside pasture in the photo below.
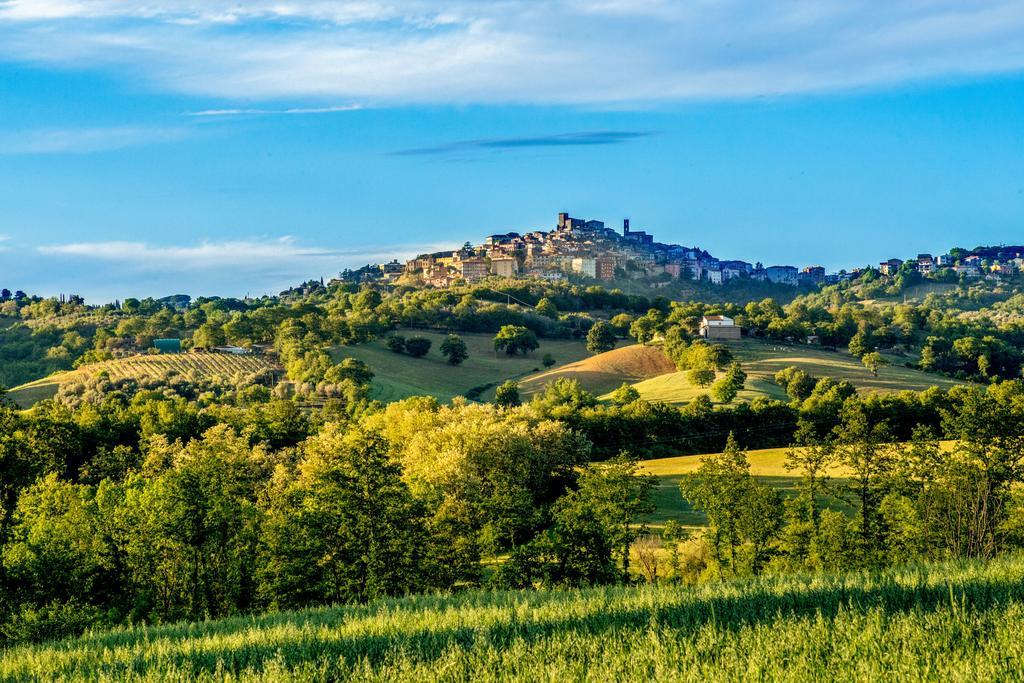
[399,376]
[762,360]
[940,622]
[607,371]
[142,366]
[768,465]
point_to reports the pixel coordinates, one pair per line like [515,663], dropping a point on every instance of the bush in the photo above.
[396,343]
[417,346]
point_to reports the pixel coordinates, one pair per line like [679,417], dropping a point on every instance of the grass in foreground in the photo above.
[761,360]
[956,621]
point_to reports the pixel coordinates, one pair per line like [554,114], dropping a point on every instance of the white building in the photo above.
[719,327]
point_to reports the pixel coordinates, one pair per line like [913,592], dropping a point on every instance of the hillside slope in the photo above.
[761,360]
[955,621]
[606,371]
[140,366]
[399,376]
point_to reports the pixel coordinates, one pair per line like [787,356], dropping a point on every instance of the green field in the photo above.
[768,465]
[761,360]
[400,376]
[607,371]
[954,621]
[142,366]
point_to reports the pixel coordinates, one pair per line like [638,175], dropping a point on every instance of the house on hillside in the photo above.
[890,267]
[719,327]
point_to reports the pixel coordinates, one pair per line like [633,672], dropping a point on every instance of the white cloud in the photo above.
[275,112]
[282,255]
[562,51]
[4,247]
[83,140]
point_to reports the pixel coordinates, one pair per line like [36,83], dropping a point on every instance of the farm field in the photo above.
[143,365]
[399,376]
[761,360]
[952,621]
[768,465]
[607,371]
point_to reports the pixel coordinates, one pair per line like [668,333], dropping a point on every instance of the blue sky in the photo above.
[211,147]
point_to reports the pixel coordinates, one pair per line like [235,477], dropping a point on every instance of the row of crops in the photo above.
[203,364]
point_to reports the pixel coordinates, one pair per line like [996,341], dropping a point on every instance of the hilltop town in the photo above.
[590,249]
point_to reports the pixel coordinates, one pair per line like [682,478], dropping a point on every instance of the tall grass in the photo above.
[938,622]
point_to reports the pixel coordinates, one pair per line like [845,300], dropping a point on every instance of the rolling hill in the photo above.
[952,621]
[762,360]
[399,376]
[607,371]
[143,365]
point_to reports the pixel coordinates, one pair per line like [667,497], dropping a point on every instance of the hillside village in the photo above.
[588,249]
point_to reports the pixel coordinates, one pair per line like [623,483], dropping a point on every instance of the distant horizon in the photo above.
[454,246]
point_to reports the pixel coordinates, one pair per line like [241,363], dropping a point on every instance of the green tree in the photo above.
[546,307]
[625,394]
[872,361]
[865,447]
[507,394]
[513,339]
[548,360]
[345,528]
[740,511]
[601,337]
[596,524]
[417,347]
[701,377]
[726,389]
[645,328]
[396,343]
[454,349]
[208,336]
[863,342]
[351,369]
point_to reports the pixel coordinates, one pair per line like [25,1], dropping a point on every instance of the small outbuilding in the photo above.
[719,327]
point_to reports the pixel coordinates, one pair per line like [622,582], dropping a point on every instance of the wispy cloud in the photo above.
[105,270]
[523,51]
[284,254]
[4,247]
[580,139]
[84,140]
[275,112]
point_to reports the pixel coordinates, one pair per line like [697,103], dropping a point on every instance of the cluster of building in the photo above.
[590,249]
[991,262]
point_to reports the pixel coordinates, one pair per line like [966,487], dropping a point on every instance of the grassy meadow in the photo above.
[953,621]
[761,360]
[606,371]
[400,376]
[141,366]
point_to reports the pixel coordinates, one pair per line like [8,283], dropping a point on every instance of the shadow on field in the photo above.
[292,639]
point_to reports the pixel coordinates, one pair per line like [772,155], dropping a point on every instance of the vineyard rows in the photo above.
[205,364]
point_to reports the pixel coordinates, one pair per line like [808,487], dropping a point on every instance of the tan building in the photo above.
[604,268]
[585,266]
[719,327]
[473,269]
[505,267]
